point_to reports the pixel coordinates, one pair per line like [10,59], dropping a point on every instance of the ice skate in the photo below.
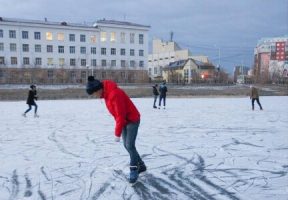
[141,167]
[133,175]
[36,116]
[24,114]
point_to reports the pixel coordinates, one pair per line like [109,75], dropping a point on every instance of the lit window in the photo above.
[49,61]
[113,37]
[103,36]
[49,36]
[93,39]
[60,36]
[61,62]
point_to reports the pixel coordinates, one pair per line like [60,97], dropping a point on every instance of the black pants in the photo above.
[258,102]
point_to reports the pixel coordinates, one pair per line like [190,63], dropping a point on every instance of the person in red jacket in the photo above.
[127,119]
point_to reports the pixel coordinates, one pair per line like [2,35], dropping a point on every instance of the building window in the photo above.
[50,73]
[83,75]
[113,37]
[37,48]
[2,60]
[141,39]
[72,62]
[122,52]
[60,36]
[37,35]
[132,63]
[1,46]
[49,36]
[60,49]
[13,60]
[72,74]
[13,47]
[25,35]
[83,62]
[103,36]
[141,52]
[93,39]
[132,38]
[113,63]
[150,71]
[50,61]
[132,52]
[123,63]
[26,61]
[83,50]
[12,34]
[72,37]
[61,62]
[155,70]
[93,50]
[1,33]
[25,47]
[141,63]
[94,62]
[49,48]
[103,63]
[113,51]
[103,51]
[122,37]
[38,61]
[72,49]
[82,38]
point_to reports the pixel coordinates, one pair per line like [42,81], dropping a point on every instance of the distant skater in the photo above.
[156,94]
[163,90]
[254,95]
[32,96]
[127,119]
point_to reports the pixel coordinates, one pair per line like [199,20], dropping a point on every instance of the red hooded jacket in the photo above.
[119,105]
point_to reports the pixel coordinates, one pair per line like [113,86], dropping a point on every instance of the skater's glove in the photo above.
[117,139]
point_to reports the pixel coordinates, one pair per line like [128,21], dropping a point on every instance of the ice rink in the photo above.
[198,148]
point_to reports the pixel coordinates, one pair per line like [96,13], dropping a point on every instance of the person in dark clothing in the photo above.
[254,95]
[32,96]
[163,90]
[156,94]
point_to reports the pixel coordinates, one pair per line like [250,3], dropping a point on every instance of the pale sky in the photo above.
[203,26]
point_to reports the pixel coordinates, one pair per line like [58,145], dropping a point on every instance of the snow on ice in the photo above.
[198,148]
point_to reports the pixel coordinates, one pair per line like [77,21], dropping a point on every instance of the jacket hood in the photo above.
[108,87]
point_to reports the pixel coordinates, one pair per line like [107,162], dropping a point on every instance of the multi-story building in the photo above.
[164,53]
[271,59]
[62,52]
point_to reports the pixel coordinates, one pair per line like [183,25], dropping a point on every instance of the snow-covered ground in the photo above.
[198,148]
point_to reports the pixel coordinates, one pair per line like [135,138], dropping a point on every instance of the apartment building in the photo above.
[62,52]
[271,59]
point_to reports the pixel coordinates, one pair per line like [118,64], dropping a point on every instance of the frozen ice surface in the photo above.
[198,148]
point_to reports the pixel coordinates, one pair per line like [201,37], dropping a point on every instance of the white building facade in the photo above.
[107,47]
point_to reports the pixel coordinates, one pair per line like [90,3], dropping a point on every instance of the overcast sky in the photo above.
[203,26]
